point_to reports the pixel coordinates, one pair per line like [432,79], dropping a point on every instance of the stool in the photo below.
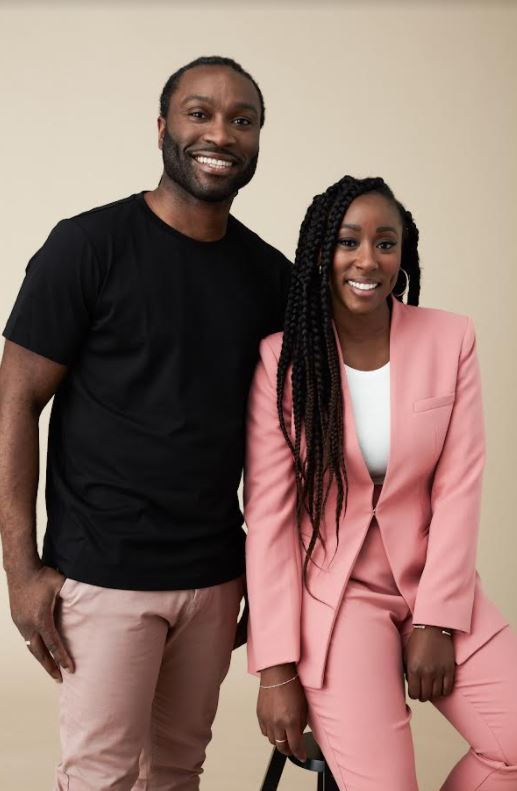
[315,763]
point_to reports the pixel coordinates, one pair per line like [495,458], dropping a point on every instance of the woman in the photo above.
[362,498]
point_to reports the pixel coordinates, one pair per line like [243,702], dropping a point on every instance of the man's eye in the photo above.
[242,121]
[197,114]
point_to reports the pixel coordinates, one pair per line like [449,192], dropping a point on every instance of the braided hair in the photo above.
[310,352]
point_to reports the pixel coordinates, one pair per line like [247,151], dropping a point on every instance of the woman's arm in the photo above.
[445,593]
[273,565]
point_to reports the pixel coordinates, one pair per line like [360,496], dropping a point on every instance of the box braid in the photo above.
[309,355]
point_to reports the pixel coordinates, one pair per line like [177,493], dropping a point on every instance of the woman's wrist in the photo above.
[441,629]
[277,674]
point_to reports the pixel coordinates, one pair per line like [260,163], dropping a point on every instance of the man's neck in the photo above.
[201,220]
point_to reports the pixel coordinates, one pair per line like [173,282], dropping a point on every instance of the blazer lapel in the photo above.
[354,460]
[356,466]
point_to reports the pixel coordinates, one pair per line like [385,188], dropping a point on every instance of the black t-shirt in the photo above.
[146,439]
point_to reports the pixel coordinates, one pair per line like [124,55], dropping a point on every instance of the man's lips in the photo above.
[212,162]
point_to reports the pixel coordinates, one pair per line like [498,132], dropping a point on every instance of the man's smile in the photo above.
[215,163]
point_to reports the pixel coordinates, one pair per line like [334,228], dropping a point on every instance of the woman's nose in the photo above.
[366,259]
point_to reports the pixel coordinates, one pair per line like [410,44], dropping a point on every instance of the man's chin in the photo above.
[216,197]
[213,194]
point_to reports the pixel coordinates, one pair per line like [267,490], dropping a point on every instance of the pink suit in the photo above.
[428,518]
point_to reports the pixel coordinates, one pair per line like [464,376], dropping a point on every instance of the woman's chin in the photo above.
[362,306]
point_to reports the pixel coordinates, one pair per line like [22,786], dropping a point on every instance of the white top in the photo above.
[370,392]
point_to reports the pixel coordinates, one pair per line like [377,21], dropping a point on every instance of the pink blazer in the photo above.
[428,512]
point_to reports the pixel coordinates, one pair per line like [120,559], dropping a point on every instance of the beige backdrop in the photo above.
[421,93]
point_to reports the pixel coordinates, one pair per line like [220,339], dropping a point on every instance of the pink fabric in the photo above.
[360,716]
[137,713]
[428,512]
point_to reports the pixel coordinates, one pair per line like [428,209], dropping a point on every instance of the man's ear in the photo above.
[162,127]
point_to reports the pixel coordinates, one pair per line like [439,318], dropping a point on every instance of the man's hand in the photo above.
[282,711]
[241,635]
[429,663]
[33,601]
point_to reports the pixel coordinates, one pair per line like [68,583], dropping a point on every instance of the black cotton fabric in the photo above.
[160,334]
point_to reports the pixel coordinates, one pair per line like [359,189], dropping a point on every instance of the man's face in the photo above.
[210,139]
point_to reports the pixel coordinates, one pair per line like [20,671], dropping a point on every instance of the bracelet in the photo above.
[272,686]
[424,626]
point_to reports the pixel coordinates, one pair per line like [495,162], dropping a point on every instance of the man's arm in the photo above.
[27,382]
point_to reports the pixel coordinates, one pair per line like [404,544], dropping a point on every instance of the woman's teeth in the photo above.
[214,163]
[363,286]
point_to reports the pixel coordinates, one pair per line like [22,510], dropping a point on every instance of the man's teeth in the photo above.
[363,286]
[214,163]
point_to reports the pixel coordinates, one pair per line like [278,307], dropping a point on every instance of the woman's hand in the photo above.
[429,664]
[282,711]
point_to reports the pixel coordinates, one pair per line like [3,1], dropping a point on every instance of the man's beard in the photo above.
[181,169]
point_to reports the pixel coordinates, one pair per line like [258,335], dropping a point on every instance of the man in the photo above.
[142,318]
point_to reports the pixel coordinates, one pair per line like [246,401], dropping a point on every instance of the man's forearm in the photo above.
[19,474]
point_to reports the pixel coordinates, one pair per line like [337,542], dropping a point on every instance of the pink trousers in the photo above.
[138,711]
[360,717]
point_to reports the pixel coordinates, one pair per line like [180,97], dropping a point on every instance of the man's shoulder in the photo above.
[266,251]
[107,215]
[99,228]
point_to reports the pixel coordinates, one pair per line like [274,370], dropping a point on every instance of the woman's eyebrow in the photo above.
[380,228]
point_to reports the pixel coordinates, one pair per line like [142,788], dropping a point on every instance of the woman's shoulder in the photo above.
[437,320]
[271,345]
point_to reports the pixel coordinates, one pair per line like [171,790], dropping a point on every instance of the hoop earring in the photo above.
[401,294]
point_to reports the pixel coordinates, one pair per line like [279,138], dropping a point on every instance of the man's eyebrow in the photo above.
[247,106]
[197,98]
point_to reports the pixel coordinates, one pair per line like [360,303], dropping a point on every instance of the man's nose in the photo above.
[220,133]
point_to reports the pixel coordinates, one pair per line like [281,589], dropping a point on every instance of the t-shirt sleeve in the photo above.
[285,269]
[55,306]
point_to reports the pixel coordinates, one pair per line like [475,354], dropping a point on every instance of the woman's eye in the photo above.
[347,242]
[386,245]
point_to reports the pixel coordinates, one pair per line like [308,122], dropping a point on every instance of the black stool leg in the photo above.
[327,780]
[274,772]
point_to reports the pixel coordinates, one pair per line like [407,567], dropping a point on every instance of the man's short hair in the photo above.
[212,60]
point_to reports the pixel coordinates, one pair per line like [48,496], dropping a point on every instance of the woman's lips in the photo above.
[362,289]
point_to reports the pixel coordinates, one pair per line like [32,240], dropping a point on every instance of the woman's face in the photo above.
[367,256]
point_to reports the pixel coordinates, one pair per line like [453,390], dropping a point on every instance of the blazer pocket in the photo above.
[424,404]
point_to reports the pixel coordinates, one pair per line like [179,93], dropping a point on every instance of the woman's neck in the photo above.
[364,338]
